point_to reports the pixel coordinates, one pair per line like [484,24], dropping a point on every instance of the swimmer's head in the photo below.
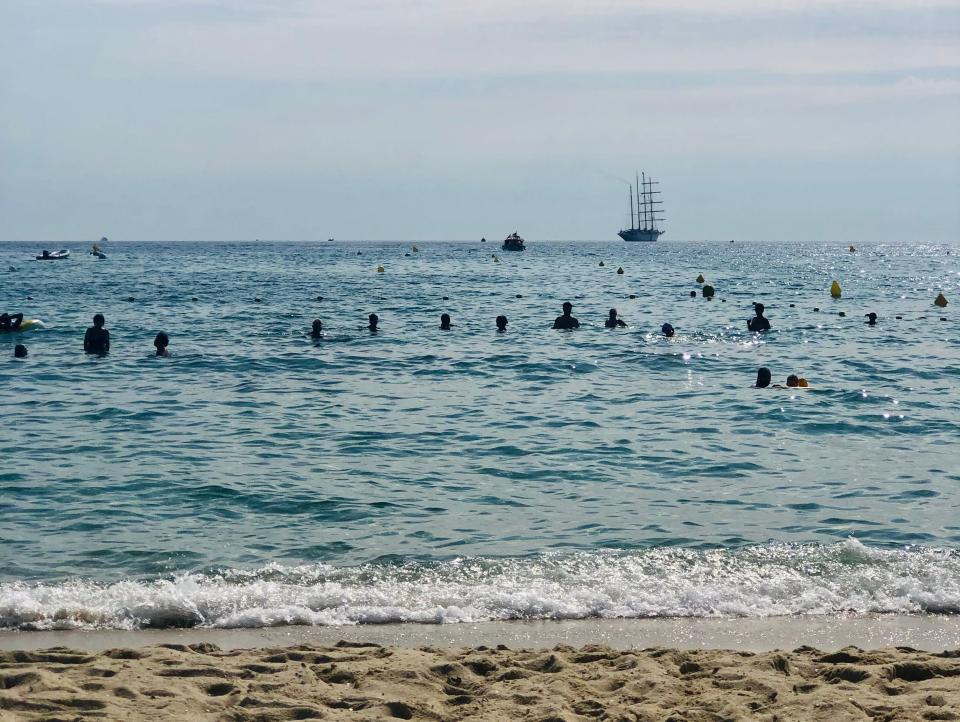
[758,307]
[803,384]
[20,351]
[667,330]
[872,318]
[793,380]
[567,307]
[161,342]
[693,294]
[501,323]
[374,319]
[763,377]
[317,327]
[444,321]
[613,314]
[99,320]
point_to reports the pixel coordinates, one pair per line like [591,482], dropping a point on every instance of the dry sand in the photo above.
[365,681]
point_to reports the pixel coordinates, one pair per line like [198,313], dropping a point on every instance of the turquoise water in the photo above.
[260,477]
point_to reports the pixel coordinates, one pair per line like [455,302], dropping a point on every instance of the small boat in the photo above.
[483,240]
[644,229]
[513,242]
[97,251]
[54,256]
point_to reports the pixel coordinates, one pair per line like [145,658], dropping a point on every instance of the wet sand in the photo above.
[426,672]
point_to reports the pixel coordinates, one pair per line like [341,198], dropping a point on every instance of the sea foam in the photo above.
[759,581]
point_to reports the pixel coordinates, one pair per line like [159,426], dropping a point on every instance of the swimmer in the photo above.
[763,378]
[614,322]
[444,321]
[97,338]
[758,322]
[161,342]
[10,321]
[873,319]
[501,324]
[667,330]
[317,330]
[374,321]
[793,381]
[19,351]
[566,321]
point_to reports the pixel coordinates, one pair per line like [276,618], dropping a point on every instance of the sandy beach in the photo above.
[366,681]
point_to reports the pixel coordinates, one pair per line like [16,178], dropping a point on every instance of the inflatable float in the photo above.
[54,256]
[28,324]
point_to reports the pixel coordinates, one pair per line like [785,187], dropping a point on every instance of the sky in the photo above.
[445,119]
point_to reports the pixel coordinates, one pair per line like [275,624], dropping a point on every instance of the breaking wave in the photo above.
[758,581]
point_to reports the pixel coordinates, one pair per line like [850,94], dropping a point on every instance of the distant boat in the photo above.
[54,256]
[95,250]
[483,240]
[329,240]
[644,229]
[513,242]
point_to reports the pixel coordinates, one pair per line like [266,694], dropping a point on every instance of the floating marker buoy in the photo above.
[633,295]
[816,309]
[700,278]
[256,300]
[519,295]
[899,318]
[194,299]
[940,300]
[380,269]
[601,264]
[842,313]
[943,318]
[793,305]
[319,298]
[835,289]
[708,291]
[446,298]
[620,271]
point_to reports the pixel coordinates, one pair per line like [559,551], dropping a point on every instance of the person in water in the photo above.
[667,330]
[614,322]
[501,323]
[566,320]
[317,330]
[374,321]
[763,378]
[161,342]
[10,321]
[758,322]
[872,319]
[444,321]
[97,338]
[19,351]
[793,381]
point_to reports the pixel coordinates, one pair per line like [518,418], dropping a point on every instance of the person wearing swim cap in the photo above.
[161,342]
[872,318]
[614,322]
[501,324]
[758,323]
[316,331]
[444,321]
[19,351]
[667,330]
[566,321]
[10,321]
[763,378]
[97,338]
[374,321]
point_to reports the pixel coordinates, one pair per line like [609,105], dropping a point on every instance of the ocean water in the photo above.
[259,477]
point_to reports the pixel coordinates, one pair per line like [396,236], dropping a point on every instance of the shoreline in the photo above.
[932,633]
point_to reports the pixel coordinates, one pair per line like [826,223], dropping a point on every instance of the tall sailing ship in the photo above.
[648,210]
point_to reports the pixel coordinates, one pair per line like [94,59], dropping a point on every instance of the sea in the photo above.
[257,477]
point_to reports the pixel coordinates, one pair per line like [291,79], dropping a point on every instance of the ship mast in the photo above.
[631,206]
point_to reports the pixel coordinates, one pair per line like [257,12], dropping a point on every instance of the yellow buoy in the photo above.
[620,271]
[700,278]
[940,300]
[380,269]
[835,289]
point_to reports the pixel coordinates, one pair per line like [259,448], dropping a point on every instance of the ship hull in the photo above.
[640,235]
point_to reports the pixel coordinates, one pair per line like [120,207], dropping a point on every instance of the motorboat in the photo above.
[513,242]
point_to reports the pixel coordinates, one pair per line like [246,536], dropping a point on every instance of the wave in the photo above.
[759,581]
